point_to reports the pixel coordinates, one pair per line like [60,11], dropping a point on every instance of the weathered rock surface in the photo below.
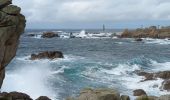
[47,55]
[166,85]
[49,35]
[139,92]
[98,94]
[151,32]
[14,96]
[12,25]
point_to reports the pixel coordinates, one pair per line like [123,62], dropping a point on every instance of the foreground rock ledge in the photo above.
[12,25]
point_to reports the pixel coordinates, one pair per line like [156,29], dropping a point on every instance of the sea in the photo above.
[87,63]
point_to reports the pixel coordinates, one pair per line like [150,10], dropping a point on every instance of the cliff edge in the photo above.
[12,25]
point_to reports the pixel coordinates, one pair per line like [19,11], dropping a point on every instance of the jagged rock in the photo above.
[43,98]
[11,9]
[11,27]
[49,35]
[125,97]
[139,92]
[98,94]
[47,55]
[14,96]
[4,3]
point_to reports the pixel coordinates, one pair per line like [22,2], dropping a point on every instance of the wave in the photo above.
[157,41]
[123,76]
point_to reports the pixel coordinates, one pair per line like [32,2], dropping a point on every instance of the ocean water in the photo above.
[96,63]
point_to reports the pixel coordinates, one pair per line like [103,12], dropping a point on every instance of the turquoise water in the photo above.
[87,63]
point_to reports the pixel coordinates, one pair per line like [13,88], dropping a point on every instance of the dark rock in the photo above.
[125,97]
[49,35]
[138,39]
[31,35]
[47,55]
[4,3]
[43,98]
[166,85]
[14,96]
[139,92]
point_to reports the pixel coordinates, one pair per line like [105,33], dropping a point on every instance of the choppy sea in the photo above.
[96,63]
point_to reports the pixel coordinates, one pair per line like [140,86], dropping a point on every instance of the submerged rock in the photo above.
[12,25]
[139,92]
[47,55]
[49,35]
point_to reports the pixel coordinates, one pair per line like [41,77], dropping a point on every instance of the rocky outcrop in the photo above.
[47,55]
[14,96]
[151,32]
[166,85]
[49,35]
[12,24]
[139,92]
[97,94]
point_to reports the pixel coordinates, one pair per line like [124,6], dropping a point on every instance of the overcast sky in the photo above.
[94,13]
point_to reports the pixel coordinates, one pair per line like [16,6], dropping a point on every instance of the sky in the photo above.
[78,14]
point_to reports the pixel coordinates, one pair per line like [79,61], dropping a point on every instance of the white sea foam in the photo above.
[157,41]
[31,79]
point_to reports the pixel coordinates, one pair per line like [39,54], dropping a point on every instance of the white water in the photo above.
[32,79]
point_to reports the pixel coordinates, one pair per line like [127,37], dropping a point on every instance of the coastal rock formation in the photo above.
[14,96]
[151,32]
[152,76]
[49,35]
[12,25]
[166,85]
[47,55]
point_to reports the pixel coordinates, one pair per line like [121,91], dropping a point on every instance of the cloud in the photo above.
[65,11]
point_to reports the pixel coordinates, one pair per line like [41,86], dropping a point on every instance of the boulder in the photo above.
[49,35]
[12,25]
[43,98]
[125,97]
[139,92]
[166,85]
[47,55]
[99,94]
[14,96]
